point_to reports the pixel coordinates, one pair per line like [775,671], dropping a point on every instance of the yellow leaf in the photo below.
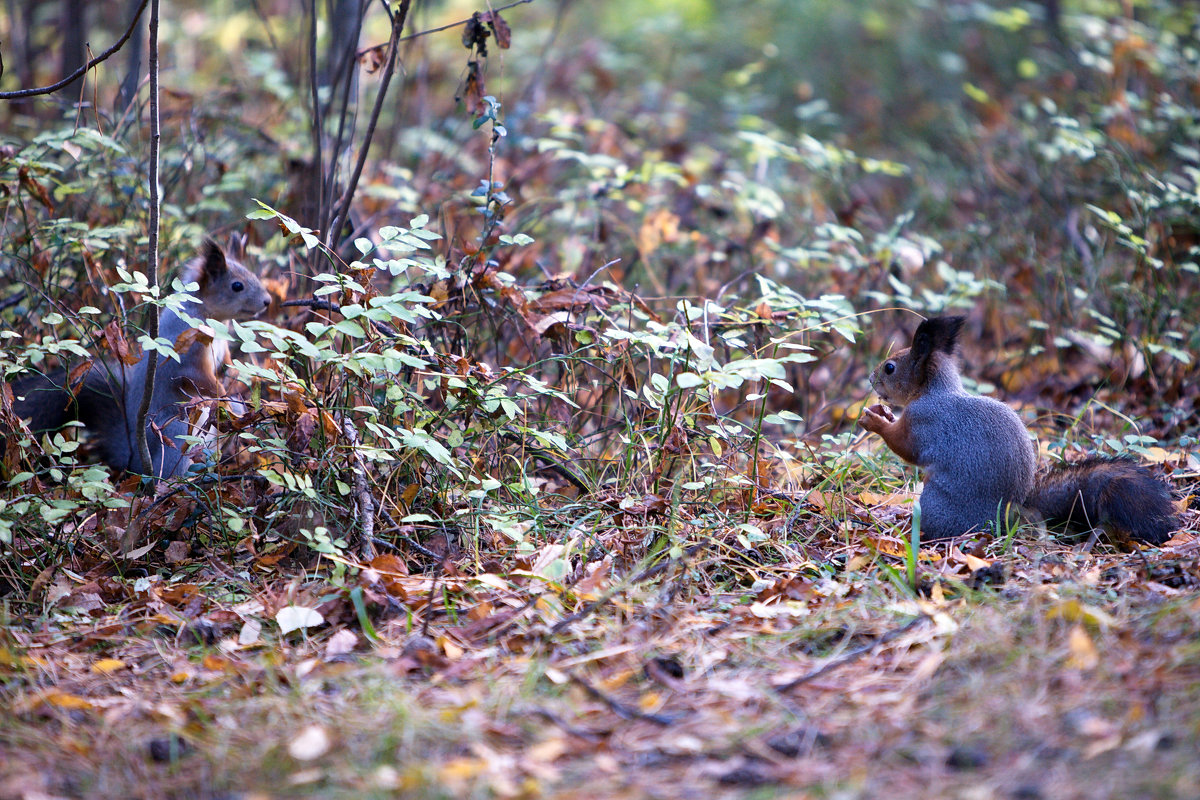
[975,563]
[70,702]
[461,769]
[215,662]
[1075,611]
[936,595]
[650,701]
[618,679]
[1155,455]
[857,562]
[1083,651]
[106,666]
[452,650]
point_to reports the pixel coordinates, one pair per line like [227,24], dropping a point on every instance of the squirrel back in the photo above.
[109,396]
[979,460]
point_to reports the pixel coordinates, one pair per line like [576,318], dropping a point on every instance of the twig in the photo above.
[1071,226]
[344,70]
[853,655]
[551,464]
[413,543]
[318,126]
[8,302]
[620,709]
[335,225]
[441,28]
[429,606]
[366,504]
[558,721]
[152,267]
[54,87]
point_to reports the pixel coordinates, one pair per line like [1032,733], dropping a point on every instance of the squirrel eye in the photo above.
[237,286]
[889,367]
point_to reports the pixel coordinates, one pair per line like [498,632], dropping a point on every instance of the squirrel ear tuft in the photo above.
[236,246]
[213,257]
[937,334]
[208,264]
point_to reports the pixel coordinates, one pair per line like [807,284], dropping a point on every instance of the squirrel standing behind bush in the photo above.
[978,459]
[107,402]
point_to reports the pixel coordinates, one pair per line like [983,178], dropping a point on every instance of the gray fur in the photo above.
[967,440]
[110,397]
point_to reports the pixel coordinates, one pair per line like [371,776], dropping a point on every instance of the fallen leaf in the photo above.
[341,643]
[311,743]
[249,633]
[291,618]
[1083,650]
[1075,611]
[71,702]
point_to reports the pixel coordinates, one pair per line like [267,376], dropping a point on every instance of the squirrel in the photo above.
[978,458]
[109,396]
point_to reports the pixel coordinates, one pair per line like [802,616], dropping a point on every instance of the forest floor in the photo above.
[1027,670]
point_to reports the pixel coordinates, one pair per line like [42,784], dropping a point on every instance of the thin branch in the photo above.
[441,28]
[318,126]
[344,73]
[853,655]
[12,301]
[362,491]
[152,266]
[413,543]
[393,49]
[54,87]
[620,709]
[555,719]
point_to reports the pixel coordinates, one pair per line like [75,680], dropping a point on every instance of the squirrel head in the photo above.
[228,289]
[909,373]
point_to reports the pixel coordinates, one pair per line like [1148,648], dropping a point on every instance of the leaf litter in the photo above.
[1039,667]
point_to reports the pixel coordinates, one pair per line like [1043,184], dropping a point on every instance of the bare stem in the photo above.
[54,87]
[152,257]
[398,19]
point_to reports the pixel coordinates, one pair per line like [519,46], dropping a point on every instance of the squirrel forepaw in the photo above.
[875,418]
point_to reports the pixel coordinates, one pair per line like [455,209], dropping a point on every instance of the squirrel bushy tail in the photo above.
[45,401]
[48,403]
[1115,493]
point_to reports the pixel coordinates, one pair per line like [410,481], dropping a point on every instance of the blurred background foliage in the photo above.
[797,164]
[1034,161]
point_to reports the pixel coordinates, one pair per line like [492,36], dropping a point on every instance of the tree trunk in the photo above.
[137,47]
[74,50]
